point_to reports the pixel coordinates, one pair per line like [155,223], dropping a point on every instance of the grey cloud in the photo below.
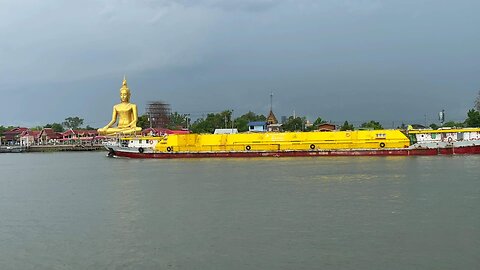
[342,60]
[227,5]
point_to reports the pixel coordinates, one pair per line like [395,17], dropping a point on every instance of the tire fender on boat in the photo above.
[312,146]
[140,150]
[450,139]
[248,147]
[169,149]
[382,145]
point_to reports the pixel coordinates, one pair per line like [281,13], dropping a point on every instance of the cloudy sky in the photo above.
[356,60]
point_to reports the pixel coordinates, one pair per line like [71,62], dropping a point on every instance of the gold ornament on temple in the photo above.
[126,113]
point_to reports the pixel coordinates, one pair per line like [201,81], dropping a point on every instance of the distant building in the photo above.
[83,136]
[326,127]
[29,137]
[12,136]
[274,128]
[257,126]
[284,119]
[225,131]
[49,136]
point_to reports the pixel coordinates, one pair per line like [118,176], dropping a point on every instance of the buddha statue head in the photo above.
[124,91]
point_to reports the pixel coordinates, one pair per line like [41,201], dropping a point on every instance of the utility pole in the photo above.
[271,101]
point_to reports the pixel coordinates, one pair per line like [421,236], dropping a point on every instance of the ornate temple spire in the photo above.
[271,119]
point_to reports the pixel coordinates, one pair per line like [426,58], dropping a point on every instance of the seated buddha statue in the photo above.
[126,113]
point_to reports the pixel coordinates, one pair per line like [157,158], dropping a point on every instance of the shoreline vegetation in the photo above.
[70,135]
[50,148]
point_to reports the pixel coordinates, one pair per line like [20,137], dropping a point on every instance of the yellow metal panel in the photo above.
[363,139]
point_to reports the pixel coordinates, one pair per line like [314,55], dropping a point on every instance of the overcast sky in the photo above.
[356,60]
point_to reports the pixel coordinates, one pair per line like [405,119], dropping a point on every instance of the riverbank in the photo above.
[51,148]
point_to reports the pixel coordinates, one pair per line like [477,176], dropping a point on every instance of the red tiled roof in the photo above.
[50,133]
[80,131]
[15,131]
[29,132]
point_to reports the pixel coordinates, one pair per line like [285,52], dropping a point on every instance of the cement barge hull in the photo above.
[130,153]
[301,144]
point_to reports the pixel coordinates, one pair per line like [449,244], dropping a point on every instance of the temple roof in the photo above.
[271,119]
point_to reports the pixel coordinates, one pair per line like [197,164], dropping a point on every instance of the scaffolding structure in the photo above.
[158,114]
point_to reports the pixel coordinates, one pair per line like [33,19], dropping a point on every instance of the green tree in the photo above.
[294,124]
[178,121]
[473,118]
[318,121]
[3,129]
[434,126]
[73,122]
[143,121]
[212,122]
[241,123]
[453,124]
[372,125]
[88,127]
[55,126]
[315,124]
[346,126]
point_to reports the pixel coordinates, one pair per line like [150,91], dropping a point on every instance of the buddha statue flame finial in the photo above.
[124,84]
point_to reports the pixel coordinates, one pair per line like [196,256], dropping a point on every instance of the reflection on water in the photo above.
[85,211]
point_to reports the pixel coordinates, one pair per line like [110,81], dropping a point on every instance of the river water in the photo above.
[87,211]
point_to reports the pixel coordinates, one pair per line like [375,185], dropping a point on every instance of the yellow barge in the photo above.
[336,143]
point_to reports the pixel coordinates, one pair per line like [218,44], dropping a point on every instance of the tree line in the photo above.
[72,122]
[224,119]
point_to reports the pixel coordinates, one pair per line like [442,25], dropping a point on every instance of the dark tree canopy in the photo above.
[178,121]
[294,124]
[347,126]
[473,118]
[73,122]
[241,123]
[56,127]
[212,122]
[453,124]
[143,121]
[372,125]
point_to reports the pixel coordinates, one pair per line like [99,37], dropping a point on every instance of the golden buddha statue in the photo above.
[126,113]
